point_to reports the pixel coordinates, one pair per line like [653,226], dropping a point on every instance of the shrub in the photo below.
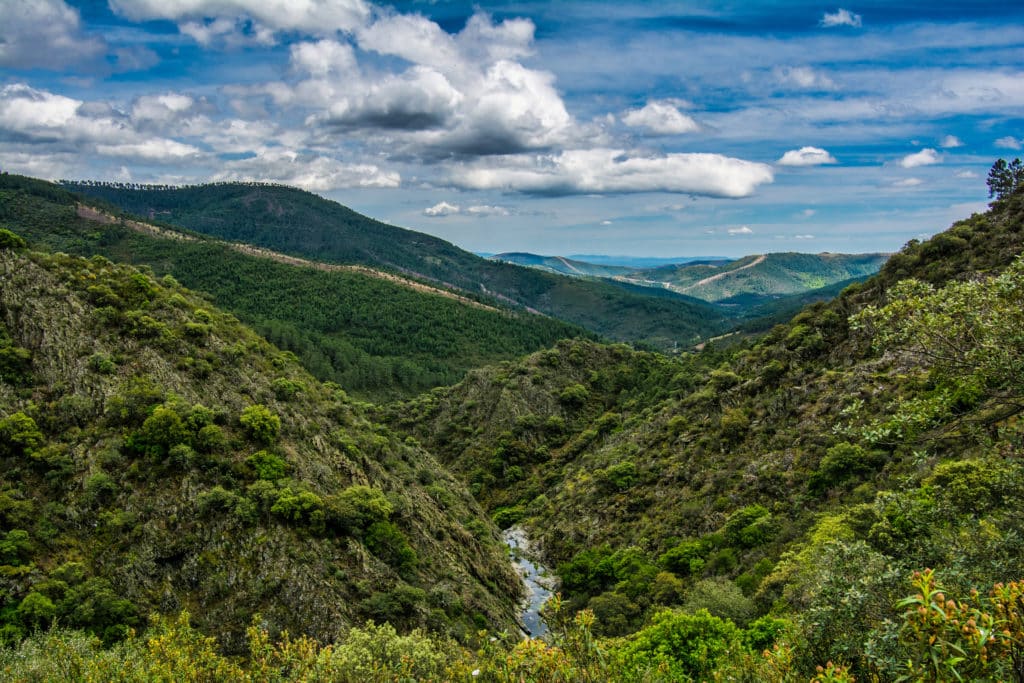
[15,365]
[748,527]
[267,465]
[19,435]
[260,423]
[387,542]
[574,395]
[159,433]
[679,646]
[358,507]
[10,240]
[722,598]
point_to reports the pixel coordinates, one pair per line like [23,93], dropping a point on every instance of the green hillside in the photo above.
[804,476]
[775,274]
[301,223]
[157,455]
[374,337]
[561,265]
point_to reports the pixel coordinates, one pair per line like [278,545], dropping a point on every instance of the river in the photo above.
[538,581]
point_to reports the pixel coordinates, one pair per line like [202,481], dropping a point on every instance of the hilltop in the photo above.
[379,334]
[302,224]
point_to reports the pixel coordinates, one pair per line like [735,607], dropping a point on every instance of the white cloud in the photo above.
[926,157]
[1009,142]
[161,108]
[157,149]
[908,182]
[662,118]
[742,230]
[803,237]
[442,209]
[841,17]
[802,77]
[44,34]
[58,123]
[950,142]
[313,173]
[487,210]
[612,171]
[315,17]
[806,156]
[965,174]
[807,213]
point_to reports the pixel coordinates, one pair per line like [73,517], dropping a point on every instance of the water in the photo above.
[537,580]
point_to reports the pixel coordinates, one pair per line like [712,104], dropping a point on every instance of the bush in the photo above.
[160,432]
[10,240]
[722,598]
[19,435]
[267,465]
[748,527]
[358,507]
[679,646]
[574,396]
[387,542]
[260,423]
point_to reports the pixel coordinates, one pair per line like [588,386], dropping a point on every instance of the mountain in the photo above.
[560,264]
[807,474]
[157,455]
[760,274]
[379,335]
[300,223]
[640,262]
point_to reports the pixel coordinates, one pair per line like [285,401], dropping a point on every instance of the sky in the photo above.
[633,127]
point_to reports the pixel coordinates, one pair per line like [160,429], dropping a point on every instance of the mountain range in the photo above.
[775,509]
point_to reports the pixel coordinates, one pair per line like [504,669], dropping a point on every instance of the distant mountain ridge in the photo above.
[744,282]
[300,223]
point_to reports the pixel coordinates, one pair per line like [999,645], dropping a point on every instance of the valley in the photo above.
[772,497]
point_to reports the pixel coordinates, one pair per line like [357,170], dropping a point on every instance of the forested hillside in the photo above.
[805,476]
[841,497]
[763,275]
[301,223]
[376,338]
[157,455]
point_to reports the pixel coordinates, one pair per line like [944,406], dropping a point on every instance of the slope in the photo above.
[376,334]
[300,223]
[805,475]
[157,455]
[764,274]
[560,264]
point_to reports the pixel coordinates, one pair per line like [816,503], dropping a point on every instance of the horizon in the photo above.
[633,129]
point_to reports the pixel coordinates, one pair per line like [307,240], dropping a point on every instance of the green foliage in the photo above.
[267,465]
[749,527]
[260,423]
[10,240]
[1004,178]
[386,541]
[679,646]
[574,396]
[359,507]
[161,431]
[19,435]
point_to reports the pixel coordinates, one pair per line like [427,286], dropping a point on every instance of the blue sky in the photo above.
[628,127]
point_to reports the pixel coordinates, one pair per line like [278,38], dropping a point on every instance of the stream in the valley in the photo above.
[537,580]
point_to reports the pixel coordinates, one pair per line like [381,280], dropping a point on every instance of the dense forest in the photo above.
[376,338]
[303,224]
[841,498]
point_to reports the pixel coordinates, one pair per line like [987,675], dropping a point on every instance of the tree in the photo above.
[1004,178]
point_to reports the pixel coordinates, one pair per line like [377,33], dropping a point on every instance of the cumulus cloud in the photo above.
[926,157]
[1009,142]
[58,123]
[158,150]
[314,173]
[612,171]
[742,230]
[908,182]
[442,209]
[806,156]
[660,117]
[802,77]
[477,210]
[841,17]
[315,17]
[161,108]
[44,34]
[950,142]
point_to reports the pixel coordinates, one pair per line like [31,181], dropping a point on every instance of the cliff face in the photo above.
[159,455]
